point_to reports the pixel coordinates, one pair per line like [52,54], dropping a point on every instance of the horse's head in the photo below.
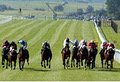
[4,48]
[110,51]
[83,49]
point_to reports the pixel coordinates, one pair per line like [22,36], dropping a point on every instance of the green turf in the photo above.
[37,31]
[110,35]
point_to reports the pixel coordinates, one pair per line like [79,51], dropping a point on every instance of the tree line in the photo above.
[4,7]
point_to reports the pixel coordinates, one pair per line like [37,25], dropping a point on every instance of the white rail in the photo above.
[6,19]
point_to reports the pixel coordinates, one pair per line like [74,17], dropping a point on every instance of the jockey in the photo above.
[67,41]
[104,45]
[75,43]
[82,42]
[23,44]
[92,44]
[46,44]
[14,45]
[6,44]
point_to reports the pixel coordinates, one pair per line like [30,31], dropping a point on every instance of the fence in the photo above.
[117,52]
[114,26]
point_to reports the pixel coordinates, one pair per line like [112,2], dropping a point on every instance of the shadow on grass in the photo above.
[38,69]
[105,69]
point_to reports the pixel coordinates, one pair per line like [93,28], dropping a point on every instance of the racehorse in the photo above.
[66,55]
[12,57]
[46,55]
[102,55]
[5,52]
[109,56]
[74,56]
[82,55]
[91,57]
[22,55]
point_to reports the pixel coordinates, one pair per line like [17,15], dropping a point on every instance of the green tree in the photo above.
[58,8]
[90,9]
[113,8]
[80,11]
[101,12]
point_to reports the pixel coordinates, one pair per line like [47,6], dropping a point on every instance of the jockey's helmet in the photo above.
[104,43]
[12,43]
[22,42]
[76,41]
[92,41]
[83,41]
[67,40]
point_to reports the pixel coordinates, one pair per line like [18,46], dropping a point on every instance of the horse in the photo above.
[82,55]
[5,52]
[109,56]
[22,55]
[102,55]
[12,57]
[74,56]
[92,52]
[46,55]
[66,55]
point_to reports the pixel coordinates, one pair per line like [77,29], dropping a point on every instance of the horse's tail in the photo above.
[50,54]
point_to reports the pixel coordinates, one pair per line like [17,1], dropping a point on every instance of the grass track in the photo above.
[35,32]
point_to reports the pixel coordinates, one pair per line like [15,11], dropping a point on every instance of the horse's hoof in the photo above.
[3,66]
[28,63]
[41,65]
[85,68]
[14,69]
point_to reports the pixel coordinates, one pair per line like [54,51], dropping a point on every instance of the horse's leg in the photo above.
[28,60]
[93,62]
[112,63]
[71,62]
[68,62]
[107,64]
[64,63]
[23,62]
[3,61]
[49,63]
[14,64]
[88,62]
[44,64]
[6,63]
[78,60]
[102,62]
[20,64]
[11,65]
[76,63]
[85,64]
[82,62]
